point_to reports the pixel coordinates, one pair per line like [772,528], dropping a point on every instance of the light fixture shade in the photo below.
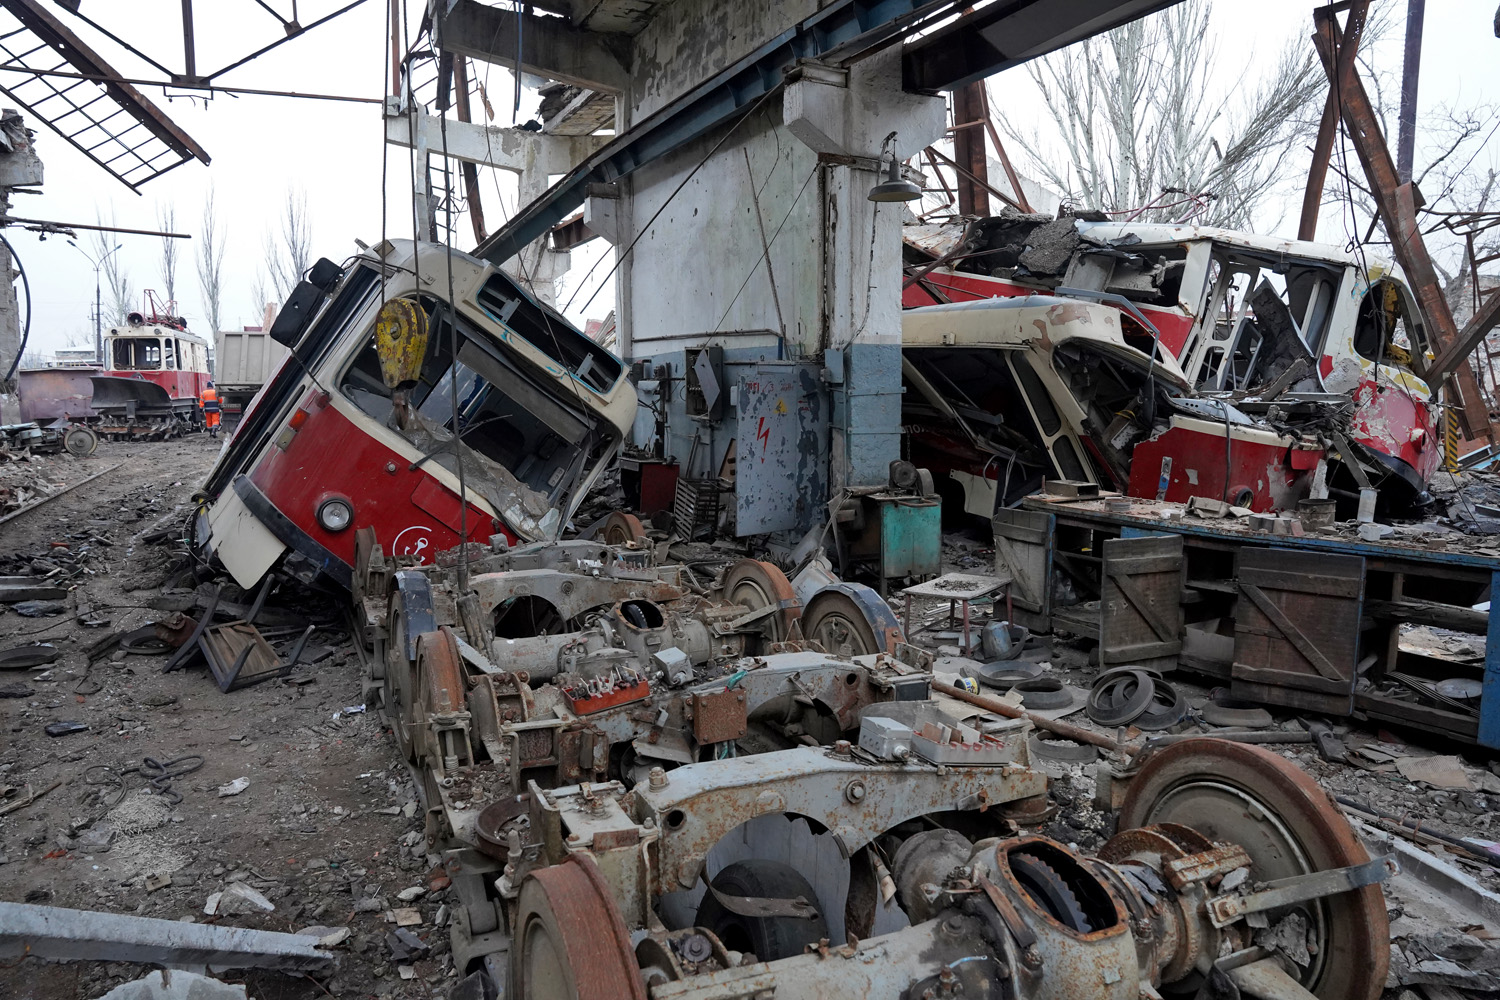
[895,187]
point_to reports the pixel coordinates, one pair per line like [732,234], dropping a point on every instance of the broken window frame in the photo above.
[1080,466]
[1406,315]
[133,353]
[1216,341]
[489,476]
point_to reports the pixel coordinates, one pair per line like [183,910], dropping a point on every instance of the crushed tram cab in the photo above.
[356,428]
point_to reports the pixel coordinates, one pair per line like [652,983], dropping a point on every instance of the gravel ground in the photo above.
[327,830]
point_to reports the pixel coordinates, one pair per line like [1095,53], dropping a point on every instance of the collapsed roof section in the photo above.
[65,84]
[592,46]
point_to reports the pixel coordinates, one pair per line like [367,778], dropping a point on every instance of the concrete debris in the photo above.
[234,787]
[327,937]
[1289,937]
[176,984]
[237,898]
[404,945]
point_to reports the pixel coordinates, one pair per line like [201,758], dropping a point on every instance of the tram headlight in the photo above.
[335,514]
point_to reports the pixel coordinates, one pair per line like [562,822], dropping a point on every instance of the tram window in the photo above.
[171,353]
[1383,331]
[549,333]
[137,353]
[529,427]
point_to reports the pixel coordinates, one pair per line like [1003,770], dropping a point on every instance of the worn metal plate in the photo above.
[1140,596]
[718,716]
[49,393]
[781,466]
[1023,552]
[1297,628]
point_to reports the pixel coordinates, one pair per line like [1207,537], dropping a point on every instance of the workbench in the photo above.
[1309,622]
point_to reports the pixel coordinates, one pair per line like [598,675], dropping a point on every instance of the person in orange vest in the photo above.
[209,401]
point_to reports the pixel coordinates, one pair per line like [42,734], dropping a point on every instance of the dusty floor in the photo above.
[328,830]
[322,829]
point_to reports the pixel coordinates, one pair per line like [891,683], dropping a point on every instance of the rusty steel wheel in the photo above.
[754,585]
[439,673]
[399,673]
[570,942]
[850,619]
[80,442]
[1289,826]
[622,529]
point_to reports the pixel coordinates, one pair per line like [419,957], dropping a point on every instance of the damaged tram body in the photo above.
[360,426]
[1237,367]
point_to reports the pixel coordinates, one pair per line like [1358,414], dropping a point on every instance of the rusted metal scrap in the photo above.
[620,771]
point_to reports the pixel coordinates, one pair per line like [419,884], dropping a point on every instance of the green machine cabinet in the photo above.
[896,535]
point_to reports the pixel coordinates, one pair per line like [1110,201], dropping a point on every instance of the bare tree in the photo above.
[261,295]
[1457,172]
[1136,114]
[166,221]
[116,277]
[289,252]
[211,245]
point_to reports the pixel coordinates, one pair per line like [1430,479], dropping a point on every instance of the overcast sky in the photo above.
[264,147]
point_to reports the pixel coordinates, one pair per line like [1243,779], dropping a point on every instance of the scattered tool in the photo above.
[1063,729]
[1330,747]
[31,797]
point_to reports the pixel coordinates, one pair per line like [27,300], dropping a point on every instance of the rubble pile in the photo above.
[1469,503]
[26,477]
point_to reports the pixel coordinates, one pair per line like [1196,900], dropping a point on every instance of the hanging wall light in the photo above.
[895,187]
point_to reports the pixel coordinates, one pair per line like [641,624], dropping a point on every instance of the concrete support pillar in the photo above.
[848,122]
[19,167]
[533,156]
[10,313]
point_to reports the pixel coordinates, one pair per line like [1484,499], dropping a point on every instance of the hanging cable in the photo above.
[458,445]
[25,330]
[620,257]
[770,243]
